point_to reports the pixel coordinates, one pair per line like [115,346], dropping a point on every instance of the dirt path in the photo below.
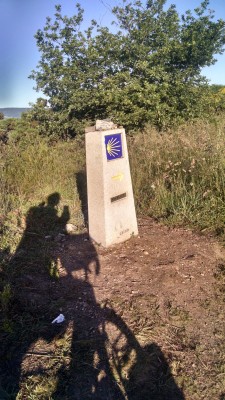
[144,319]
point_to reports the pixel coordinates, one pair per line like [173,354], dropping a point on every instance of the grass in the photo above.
[179,177]
[31,171]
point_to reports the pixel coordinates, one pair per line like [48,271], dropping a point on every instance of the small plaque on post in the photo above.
[113,145]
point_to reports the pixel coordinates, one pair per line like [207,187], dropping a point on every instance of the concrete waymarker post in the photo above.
[111,210]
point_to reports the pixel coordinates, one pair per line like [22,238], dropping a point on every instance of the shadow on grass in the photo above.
[81,183]
[102,359]
[29,274]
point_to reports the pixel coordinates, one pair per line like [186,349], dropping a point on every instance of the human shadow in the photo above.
[31,281]
[89,375]
[81,183]
[98,358]
[151,377]
[101,345]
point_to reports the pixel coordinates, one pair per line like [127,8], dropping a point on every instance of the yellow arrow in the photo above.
[118,177]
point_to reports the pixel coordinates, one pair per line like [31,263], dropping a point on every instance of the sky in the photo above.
[20,20]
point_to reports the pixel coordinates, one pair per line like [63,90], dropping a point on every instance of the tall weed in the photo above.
[180,176]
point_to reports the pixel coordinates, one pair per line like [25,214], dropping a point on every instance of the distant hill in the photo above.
[13,112]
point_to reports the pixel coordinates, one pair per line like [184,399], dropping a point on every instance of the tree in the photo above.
[1,115]
[147,72]
[219,99]
[216,88]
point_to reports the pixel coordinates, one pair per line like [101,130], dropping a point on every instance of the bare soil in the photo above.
[143,319]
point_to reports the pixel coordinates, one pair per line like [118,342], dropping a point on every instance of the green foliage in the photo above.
[216,88]
[6,125]
[219,99]
[149,71]
[1,115]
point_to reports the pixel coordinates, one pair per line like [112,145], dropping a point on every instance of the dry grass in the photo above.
[180,176]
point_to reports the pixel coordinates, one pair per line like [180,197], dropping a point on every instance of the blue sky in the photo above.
[20,20]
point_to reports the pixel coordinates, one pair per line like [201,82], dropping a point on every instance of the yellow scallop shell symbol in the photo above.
[113,147]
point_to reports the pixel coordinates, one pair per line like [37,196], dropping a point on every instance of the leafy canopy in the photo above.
[149,71]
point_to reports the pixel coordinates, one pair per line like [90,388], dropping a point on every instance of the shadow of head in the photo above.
[53,199]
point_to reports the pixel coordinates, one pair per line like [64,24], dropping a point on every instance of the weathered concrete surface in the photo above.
[111,210]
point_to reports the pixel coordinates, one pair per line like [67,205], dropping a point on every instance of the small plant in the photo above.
[53,269]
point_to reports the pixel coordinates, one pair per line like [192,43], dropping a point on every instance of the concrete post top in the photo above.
[102,125]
